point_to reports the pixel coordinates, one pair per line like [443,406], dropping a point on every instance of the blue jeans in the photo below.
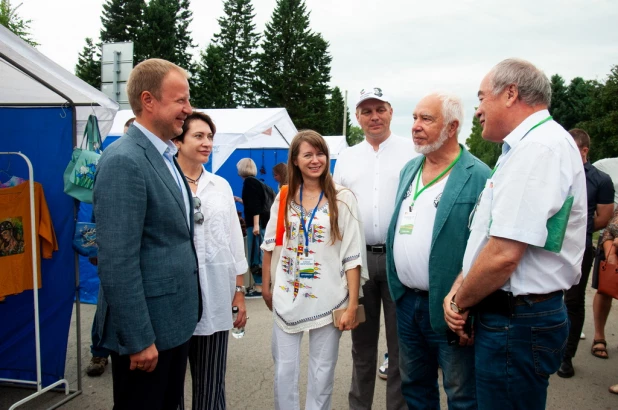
[95,349]
[254,254]
[516,355]
[421,349]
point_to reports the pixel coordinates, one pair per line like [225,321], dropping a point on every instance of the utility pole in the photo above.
[345,112]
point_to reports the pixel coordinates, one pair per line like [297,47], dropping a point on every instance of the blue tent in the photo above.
[43,109]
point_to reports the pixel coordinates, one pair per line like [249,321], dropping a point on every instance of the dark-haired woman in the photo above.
[319,271]
[280,174]
[221,257]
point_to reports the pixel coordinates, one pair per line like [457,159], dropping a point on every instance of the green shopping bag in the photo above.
[79,173]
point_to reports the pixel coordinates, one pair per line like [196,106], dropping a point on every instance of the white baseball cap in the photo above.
[371,92]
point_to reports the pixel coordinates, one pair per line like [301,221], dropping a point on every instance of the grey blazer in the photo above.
[147,262]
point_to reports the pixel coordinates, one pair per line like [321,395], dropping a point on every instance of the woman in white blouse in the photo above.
[221,257]
[319,271]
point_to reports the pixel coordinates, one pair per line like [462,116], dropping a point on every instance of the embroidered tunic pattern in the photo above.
[305,299]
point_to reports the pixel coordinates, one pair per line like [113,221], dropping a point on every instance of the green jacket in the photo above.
[450,231]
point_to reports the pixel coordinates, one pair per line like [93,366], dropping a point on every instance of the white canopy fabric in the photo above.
[237,128]
[28,78]
[336,144]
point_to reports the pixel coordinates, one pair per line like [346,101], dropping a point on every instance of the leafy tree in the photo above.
[11,20]
[88,66]
[355,135]
[486,151]
[208,88]
[559,99]
[603,124]
[165,32]
[294,67]
[238,43]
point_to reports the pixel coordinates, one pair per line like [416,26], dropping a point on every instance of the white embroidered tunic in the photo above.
[302,301]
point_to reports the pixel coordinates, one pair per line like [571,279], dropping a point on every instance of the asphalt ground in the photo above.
[249,380]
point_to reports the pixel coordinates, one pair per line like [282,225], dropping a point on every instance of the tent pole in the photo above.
[38,79]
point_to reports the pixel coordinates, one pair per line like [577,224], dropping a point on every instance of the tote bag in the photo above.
[79,173]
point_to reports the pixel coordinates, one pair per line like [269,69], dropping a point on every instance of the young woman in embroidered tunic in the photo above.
[319,271]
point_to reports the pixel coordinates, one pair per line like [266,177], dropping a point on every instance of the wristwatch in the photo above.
[241,289]
[456,307]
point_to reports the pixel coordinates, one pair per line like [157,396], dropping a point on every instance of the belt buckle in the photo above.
[377,248]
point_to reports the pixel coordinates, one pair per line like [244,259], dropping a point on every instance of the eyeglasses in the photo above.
[198,216]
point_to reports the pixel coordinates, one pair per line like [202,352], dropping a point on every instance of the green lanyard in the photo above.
[537,125]
[417,193]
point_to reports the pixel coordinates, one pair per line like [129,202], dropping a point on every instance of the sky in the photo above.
[409,48]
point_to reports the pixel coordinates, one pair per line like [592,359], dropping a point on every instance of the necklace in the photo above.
[195,181]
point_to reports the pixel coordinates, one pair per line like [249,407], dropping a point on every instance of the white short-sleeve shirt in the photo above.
[373,176]
[530,184]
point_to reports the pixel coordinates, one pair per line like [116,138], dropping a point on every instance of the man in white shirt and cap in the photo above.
[371,170]
[517,263]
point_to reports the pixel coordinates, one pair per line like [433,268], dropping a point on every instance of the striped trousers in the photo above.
[208,362]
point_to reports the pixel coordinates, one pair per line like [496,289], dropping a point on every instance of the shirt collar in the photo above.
[159,144]
[206,178]
[381,147]
[524,127]
[587,166]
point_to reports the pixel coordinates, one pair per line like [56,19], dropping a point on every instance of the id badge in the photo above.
[306,267]
[407,222]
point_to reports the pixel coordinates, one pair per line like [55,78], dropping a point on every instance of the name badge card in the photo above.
[306,266]
[407,222]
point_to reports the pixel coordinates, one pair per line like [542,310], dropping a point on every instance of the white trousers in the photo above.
[323,354]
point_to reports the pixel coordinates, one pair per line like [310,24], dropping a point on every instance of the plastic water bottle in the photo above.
[237,332]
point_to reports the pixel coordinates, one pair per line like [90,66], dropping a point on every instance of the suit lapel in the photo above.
[158,164]
[458,177]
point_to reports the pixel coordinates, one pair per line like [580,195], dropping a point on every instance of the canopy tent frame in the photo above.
[70,394]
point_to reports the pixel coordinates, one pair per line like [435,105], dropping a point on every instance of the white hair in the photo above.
[452,109]
[532,84]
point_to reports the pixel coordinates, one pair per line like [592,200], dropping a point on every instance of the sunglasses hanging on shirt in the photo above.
[198,216]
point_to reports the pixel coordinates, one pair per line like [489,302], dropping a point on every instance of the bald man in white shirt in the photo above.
[371,170]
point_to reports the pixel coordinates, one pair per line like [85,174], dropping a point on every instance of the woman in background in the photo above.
[221,256]
[280,174]
[256,217]
[319,271]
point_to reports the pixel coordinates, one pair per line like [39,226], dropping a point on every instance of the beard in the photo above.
[428,149]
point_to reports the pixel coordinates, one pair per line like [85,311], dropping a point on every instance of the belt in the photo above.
[418,292]
[376,248]
[502,302]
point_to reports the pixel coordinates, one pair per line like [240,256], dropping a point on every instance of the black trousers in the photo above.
[161,389]
[575,300]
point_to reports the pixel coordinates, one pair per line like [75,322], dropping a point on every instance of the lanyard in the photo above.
[537,125]
[417,193]
[302,218]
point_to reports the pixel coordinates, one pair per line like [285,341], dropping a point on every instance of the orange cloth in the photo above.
[283,194]
[16,240]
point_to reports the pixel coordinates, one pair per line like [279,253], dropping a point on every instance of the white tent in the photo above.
[336,144]
[237,128]
[31,79]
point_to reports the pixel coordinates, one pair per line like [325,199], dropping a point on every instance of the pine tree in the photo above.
[122,21]
[294,67]
[208,89]
[336,105]
[88,66]
[238,43]
[11,20]
[165,33]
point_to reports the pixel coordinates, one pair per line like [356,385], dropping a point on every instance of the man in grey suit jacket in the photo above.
[149,295]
